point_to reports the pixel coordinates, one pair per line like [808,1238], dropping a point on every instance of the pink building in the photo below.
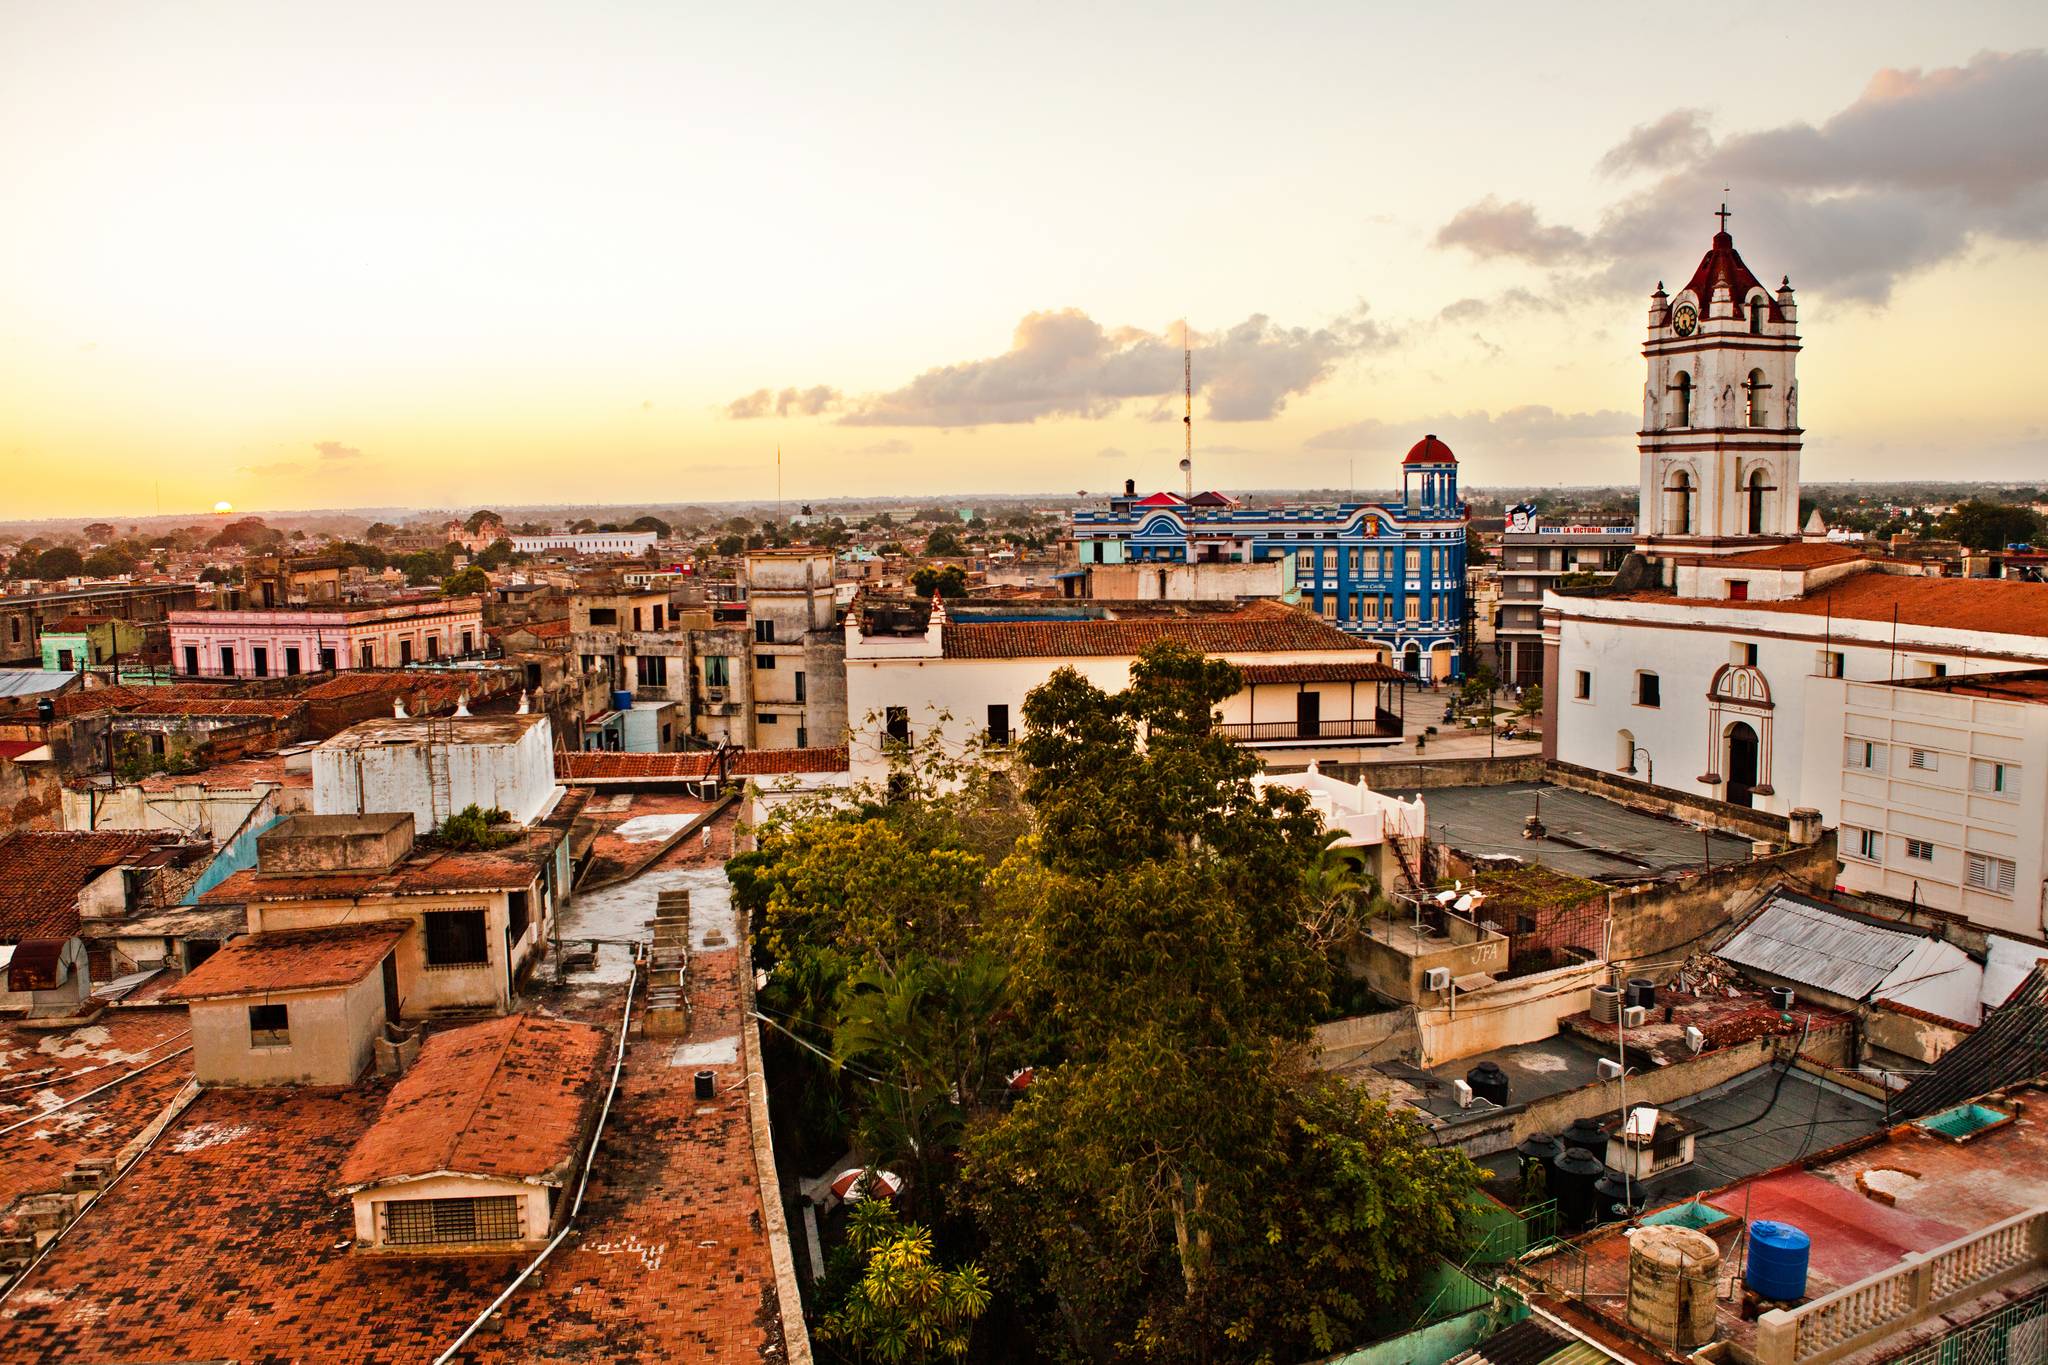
[324,638]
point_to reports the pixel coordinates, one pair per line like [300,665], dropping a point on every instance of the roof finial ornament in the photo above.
[1724,214]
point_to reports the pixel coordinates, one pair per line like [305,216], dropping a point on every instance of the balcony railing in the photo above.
[1385,725]
[1888,1302]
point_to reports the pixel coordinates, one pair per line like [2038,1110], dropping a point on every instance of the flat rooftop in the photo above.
[438,729]
[1586,834]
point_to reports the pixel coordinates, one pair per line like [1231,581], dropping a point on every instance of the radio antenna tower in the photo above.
[1187,421]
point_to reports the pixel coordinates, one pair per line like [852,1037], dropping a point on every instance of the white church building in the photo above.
[1716,664]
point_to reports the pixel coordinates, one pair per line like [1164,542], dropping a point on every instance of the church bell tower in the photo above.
[1720,438]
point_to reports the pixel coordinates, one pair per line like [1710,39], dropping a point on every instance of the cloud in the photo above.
[335,450]
[892,446]
[1508,301]
[1680,135]
[1917,170]
[1491,228]
[810,402]
[1063,363]
[1532,430]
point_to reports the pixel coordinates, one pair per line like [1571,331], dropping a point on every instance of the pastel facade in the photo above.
[589,543]
[1390,573]
[282,641]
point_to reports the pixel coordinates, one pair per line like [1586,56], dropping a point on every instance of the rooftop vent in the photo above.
[1964,1122]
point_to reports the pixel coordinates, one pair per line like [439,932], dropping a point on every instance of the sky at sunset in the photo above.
[300,256]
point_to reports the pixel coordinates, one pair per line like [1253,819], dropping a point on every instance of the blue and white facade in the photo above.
[1390,573]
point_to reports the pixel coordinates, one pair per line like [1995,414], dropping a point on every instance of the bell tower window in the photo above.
[1678,513]
[1756,490]
[1681,401]
[1753,398]
[1757,306]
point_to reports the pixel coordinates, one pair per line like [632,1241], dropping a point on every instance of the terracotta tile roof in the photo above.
[506,1098]
[594,766]
[235,775]
[1256,627]
[293,960]
[270,708]
[38,1069]
[1799,556]
[1993,605]
[42,872]
[428,873]
[1364,670]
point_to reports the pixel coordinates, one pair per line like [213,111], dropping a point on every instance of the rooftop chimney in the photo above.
[398,707]
[1130,488]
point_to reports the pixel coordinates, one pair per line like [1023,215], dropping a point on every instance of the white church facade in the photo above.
[1716,665]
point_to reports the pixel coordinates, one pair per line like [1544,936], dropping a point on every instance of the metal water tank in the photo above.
[1777,1261]
[1671,1279]
[1781,998]
[1642,991]
[1539,1147]
[1488,1082]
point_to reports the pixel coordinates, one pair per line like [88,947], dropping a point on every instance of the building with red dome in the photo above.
[1390,573]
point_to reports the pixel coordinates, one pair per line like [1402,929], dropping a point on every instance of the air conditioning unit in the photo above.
[1438,979]
[1694,1039]
[1635,1016]
[1608,1069]
[1463,1089]
[714,694]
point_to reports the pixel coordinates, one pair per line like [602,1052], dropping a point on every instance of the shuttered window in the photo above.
[1987,873]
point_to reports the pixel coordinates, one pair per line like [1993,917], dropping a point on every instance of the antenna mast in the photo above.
[1187,375]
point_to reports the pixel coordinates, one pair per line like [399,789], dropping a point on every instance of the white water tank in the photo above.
[1671,1280]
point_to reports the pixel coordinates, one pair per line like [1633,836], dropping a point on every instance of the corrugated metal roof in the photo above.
[29,682]
[1802,942]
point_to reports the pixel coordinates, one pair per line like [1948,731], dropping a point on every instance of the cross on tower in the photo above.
[1724,215]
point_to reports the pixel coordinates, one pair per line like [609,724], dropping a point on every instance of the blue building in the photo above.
[1390,573]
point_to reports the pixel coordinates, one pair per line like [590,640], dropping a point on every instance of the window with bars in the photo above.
[1987,873]
[426,1222]
[456,938]
[1920,850]
[1924,760]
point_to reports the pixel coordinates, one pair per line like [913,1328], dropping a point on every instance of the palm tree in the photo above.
[1339,892]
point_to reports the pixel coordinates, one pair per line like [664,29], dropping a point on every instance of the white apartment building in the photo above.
[588,543]
[961,674]
[1940,789]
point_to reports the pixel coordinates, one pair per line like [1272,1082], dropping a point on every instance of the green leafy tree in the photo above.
[864,888]
[473,828]
[949,581]
[1984,525]
[466,582]
[905,1307]
[214,573]
[480,518]
[61,562]
[1532,701]
[943,541]
[649,523]
[109,562]
[497,554]
[379,531]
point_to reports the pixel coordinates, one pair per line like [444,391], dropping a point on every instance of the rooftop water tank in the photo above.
[1642,991]
[1777,1261]
[1587,1135]
[1571,1185]
[1488,1082]
[622,700]
[1616,1196]
[1671,1276]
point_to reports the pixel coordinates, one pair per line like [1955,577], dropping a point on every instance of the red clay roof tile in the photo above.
[292,960]
[1992,605]
[42,872]
[505,1098]
[1256,627]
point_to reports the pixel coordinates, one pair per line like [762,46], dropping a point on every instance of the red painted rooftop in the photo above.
[1429,450]
[1992,605]
[292,960]
[1261,626]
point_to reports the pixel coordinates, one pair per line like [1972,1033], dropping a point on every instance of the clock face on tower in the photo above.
[1685,319]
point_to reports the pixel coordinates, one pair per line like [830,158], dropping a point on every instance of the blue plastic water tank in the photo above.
[622,700]
[1777,1260]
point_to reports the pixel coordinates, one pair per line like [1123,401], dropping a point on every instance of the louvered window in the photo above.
[1925,760]
[1987,873]
[424,1222]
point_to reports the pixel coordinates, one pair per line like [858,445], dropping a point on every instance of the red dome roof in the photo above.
[1429,450]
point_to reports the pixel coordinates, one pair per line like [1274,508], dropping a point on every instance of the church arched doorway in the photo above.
[1741,764]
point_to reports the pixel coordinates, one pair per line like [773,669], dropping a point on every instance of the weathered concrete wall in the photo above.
[332,1033]
[1344,1041]
[1919,1037]
[1518,1011]
[1396,973]
[31,796]
[1440,772]
[1742,820]
[1659,920]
